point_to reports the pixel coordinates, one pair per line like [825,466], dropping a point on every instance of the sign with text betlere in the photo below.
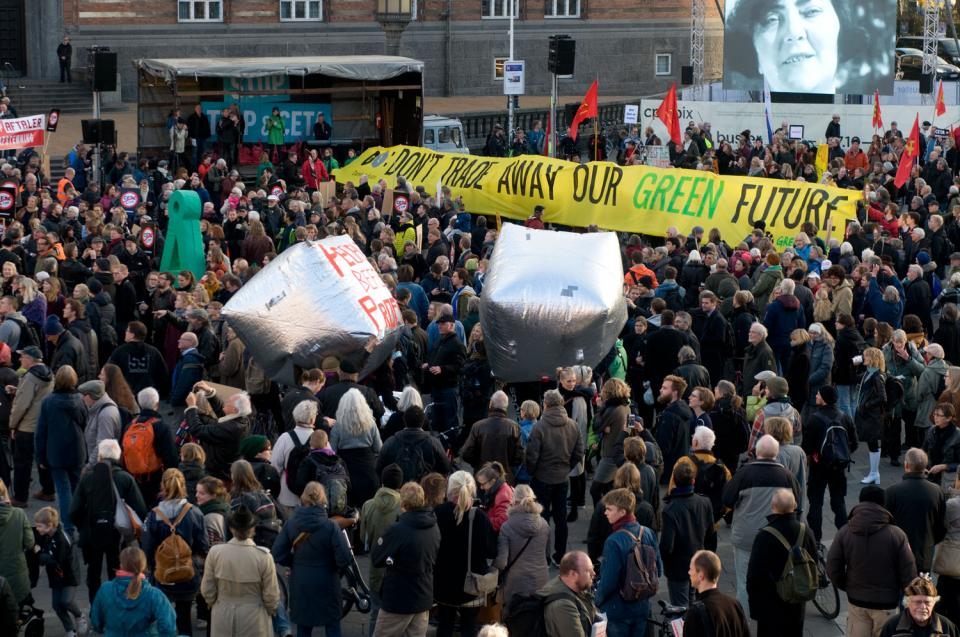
[513,77]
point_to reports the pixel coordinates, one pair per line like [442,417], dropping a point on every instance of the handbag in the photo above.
[946,558]
[477,584]
[125,519]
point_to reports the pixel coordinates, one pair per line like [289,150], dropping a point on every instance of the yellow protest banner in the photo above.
[639,199]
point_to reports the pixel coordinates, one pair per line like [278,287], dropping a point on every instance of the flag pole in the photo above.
[596,129]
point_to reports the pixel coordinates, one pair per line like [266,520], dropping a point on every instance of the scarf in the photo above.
[625,520]
[217,505]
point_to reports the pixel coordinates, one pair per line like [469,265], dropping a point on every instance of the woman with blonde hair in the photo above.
[174,512]
[128,606]
[522,547]
[33,305]
[611,427]
[872,410]
[356,439]
[465,534]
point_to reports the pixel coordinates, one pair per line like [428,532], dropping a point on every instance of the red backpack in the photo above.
[139,456]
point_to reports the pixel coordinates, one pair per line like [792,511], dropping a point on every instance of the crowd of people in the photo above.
[741,385]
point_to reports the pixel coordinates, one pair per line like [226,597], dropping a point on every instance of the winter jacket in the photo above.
[568,614]
[919,508]
[187,373]
[193,531]
[784,315]
[94,499]
[220,439]
[794,460]
[872,407]
[143,366]
[842,298]
[849,344]
[616,551]
[908,371]
[749,494]
[815,430]
[494,439]
[600,528]
[902,625]
[528,570]
[102,423]
[90,364]
[821,366]
[69,351]
[378,514]
[726,617]
[673,435]
[16,536]
[555,447]
[766,282]
[411,546]
[756,359]
[767,560]
[451,567]
[942,446]
[870,558]
[316,561]
[687,527]
[449,355]
[59,440]
[434,457]
[931,381]
[150,614]
[58,556]
[240,586]
[891,313]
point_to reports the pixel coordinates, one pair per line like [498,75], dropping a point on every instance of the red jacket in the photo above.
[314,173]
[877,215]
[497,514]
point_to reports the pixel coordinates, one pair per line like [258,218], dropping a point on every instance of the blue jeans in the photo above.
[65,482]
[446,409]
[64,606]
[633,627]
[679,592]
[847,398]
[281,618]
[331,630]
[553,499]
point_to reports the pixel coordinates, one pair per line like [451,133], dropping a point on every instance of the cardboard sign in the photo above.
[327,189]
[631,113]
[387,207]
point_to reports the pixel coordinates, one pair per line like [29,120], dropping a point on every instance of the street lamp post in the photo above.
[393,16]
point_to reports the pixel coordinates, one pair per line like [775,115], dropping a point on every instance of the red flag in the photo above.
[670,116]
[877,118]
[911,151]
[941,105]
[588,109]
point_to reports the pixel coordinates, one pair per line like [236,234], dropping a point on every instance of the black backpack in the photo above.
[673,299]
[29,335]
[835,450]
[295,458]
[410,458]
[893,387]
[526,613]
[709,483]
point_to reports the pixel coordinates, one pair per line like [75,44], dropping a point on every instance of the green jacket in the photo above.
[618,366]
[275,130]
[568,616]
[378,514]
[16,536]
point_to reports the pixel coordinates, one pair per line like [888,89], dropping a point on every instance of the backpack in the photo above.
[335,481]
[526,613]
[139,456]
[709,483]
[673,299]
[411,460]
[294,459]
[835,450]
[893,387]
[173,559]
[800,578]
[29,335]
[641,578]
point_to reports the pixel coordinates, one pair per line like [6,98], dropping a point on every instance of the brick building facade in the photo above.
[635,47]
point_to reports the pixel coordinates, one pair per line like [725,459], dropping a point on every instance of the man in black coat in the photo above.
[919,507]
[918,298]
[715,336]
[686,528]
[823,473]
[442,374]
[311,382]
[407,552]
[673,427]
[663,346]
[198,129]
[413,449]
[141,364]
[219,438]
[714,613]
[67,349]
[775,617]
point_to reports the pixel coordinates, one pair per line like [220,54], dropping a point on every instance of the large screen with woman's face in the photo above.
[810,46]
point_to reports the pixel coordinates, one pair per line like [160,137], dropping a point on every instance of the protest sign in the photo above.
[22,132]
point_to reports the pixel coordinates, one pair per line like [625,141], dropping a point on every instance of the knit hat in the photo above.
[94,285]
[872,493]
[252,445]
[52,326]
[829,394]
[778,387]
[923,258]
[921,585]
[392,476]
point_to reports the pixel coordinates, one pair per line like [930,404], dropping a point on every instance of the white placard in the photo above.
[631,113]
[513,77]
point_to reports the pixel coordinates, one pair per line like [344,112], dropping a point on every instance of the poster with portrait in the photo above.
[810,46]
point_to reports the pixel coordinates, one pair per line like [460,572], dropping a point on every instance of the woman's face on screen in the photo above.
[796,45]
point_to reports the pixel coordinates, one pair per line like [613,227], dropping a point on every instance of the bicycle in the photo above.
[668,615]
[827,600]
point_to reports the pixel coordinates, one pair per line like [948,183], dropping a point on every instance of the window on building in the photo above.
[664,62]
[562,9]
[500,8]
[300,10]
[200,10]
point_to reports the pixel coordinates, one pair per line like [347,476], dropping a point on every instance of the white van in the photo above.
[444,134]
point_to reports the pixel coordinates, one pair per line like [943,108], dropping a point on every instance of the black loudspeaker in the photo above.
[98,131]
[563,54]
[686,75]
[105,71]
[926,84]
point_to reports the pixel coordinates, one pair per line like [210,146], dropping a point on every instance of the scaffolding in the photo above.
[698,20]
[931,33]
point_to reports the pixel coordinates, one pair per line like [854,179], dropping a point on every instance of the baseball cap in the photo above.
[32,351]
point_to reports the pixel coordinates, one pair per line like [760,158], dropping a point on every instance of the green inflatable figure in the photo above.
[183,249]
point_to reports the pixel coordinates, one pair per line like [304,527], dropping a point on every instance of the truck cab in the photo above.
[444,134]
